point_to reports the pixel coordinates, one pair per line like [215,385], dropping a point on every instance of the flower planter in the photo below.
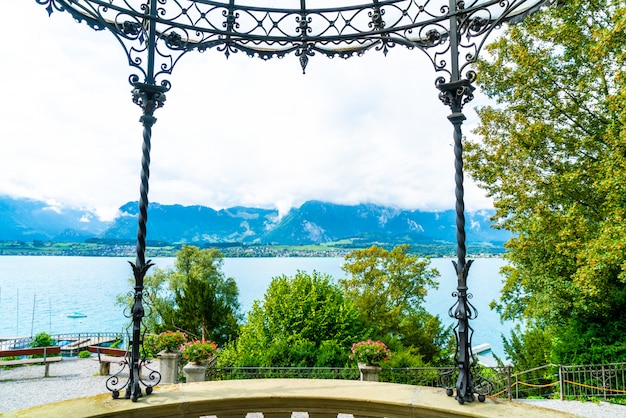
[369,354]
[195,372]
[369,372]
[169,367]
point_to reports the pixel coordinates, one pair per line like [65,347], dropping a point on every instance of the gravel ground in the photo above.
[584,409]
[22,387]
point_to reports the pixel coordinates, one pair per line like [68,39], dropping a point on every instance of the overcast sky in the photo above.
[233,132]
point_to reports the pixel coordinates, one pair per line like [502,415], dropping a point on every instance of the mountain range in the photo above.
[314,222]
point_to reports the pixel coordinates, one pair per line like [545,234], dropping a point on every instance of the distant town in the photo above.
[128,249]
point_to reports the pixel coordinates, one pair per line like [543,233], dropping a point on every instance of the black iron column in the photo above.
[455,94]
[149,98]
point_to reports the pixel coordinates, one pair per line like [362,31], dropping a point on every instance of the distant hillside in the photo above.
[194,224]
[312,223]
[32,220]
[319,222]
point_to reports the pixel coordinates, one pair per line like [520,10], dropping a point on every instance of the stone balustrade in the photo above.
[279,398]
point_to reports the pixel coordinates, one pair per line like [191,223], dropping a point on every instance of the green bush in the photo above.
[406,358]
[592,340]
[84,354]
[149,342]
[330,353]
[303,321]
[42,340]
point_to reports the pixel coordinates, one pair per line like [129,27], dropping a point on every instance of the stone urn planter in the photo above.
[369,372]
[168,344]
[368,355]
[197,355]
[169,366]
[195,372]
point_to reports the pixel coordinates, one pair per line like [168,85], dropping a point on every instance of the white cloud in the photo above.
[232,132]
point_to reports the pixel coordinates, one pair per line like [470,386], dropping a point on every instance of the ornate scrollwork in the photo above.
[51,6]
[148,97]
[179,26]
[135,363]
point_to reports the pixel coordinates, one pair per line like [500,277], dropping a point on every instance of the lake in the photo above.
[38,293]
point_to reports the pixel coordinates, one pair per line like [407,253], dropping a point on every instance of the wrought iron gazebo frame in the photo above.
[155,34]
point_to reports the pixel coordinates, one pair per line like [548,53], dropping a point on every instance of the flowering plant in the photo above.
[198,351]
[370,352]
[169,341]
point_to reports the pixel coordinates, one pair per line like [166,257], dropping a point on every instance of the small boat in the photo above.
[76,315]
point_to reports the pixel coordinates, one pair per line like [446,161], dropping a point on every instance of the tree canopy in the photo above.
[194,296]
[388,289]
[303,320]
[551,152]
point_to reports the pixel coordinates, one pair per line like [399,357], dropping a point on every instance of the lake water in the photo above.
[38,293]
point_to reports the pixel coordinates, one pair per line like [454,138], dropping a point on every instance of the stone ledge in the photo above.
[280,397]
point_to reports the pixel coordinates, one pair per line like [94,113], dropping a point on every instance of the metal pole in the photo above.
[149,97]
[463,313]
[455,94]
[508,382]
[561,382]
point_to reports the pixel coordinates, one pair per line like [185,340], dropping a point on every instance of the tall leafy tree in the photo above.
[194,296]
[388,289]
[303,320]
[551,152]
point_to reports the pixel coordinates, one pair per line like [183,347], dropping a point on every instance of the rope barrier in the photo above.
[594,387]
[556,383]
[537,386]
[499,393]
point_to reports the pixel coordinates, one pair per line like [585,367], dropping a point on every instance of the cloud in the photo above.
[237,131]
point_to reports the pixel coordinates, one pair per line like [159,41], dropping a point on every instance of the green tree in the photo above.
[388,289]
[529,348]
[551,152]
[194,296]
[302,321]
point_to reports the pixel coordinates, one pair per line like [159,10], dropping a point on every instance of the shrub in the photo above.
[84,354]
[42,340]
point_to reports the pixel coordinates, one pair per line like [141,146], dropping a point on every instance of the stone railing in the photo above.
[279,398]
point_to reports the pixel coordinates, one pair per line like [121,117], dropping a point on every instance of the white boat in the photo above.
[76,315]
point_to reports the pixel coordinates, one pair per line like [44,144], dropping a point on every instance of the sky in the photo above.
[233,132]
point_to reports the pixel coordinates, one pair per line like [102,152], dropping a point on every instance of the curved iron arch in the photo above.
[179,26]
